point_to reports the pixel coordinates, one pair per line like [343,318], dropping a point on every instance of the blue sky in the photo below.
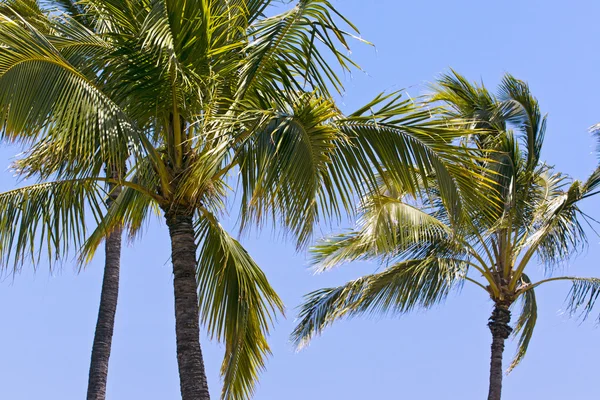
[48,321]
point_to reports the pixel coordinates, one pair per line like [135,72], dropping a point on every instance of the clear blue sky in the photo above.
[48,321]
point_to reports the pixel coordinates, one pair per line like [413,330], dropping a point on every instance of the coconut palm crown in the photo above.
[426,254]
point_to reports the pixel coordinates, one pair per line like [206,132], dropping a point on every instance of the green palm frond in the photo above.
[525,323]
[522,109]
[29,9]
[286,170]
[386,228]
[557,229]
[402,287]
[46,220]
[202,182]
[405,141]
[331,158]
[114,16]
[237,305]
[81,47]
[41,93]
[131,209]
[471,103]
[71,7]
[583,295]
[285,50]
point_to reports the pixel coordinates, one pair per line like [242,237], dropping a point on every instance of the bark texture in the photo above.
[500,328]
[192,377]
[106,314]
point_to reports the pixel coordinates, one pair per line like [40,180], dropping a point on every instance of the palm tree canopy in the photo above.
[178,95]
[426,254]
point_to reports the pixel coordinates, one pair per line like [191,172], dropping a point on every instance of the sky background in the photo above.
[48,321]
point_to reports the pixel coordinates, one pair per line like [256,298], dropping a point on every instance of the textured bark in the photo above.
[192,378]
[106,314]
[500,328]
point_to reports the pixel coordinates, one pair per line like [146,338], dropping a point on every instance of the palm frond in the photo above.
[407,142]
[387,228]
[522,109]
[75,10]
[46,219]
[583,295]
[130,209]
[237,305]
[286,170]
[42,94]
[525,323]
[558,230]
[407,285]
[114,16]
[285,50]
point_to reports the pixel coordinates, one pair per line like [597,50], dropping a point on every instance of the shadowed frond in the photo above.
[406,141]
[521,108]
[525,323]
[583,295]
[286,169]
[469,102]
[312,161]
[131,208]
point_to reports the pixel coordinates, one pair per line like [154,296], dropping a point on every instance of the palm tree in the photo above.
[184,93]
[427,253]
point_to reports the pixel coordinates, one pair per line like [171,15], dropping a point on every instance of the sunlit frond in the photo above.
[407,285]
[387,228]
[237,305]
[46,220]
[285,50]
[42,94]
[558,232]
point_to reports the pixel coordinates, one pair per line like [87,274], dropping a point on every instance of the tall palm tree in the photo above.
[183,93]
[427,253]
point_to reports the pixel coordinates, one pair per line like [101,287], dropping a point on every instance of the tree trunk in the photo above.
[107,310]
[192,378]
[500,328]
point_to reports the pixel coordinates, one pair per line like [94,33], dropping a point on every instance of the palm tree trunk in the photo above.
[106,314]
[192,378]
[500,328]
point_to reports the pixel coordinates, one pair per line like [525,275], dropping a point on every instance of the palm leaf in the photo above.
[284,50]
[405,286]
[41,93]
[525,323]
[46,219]
[583,295]
[237,305]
